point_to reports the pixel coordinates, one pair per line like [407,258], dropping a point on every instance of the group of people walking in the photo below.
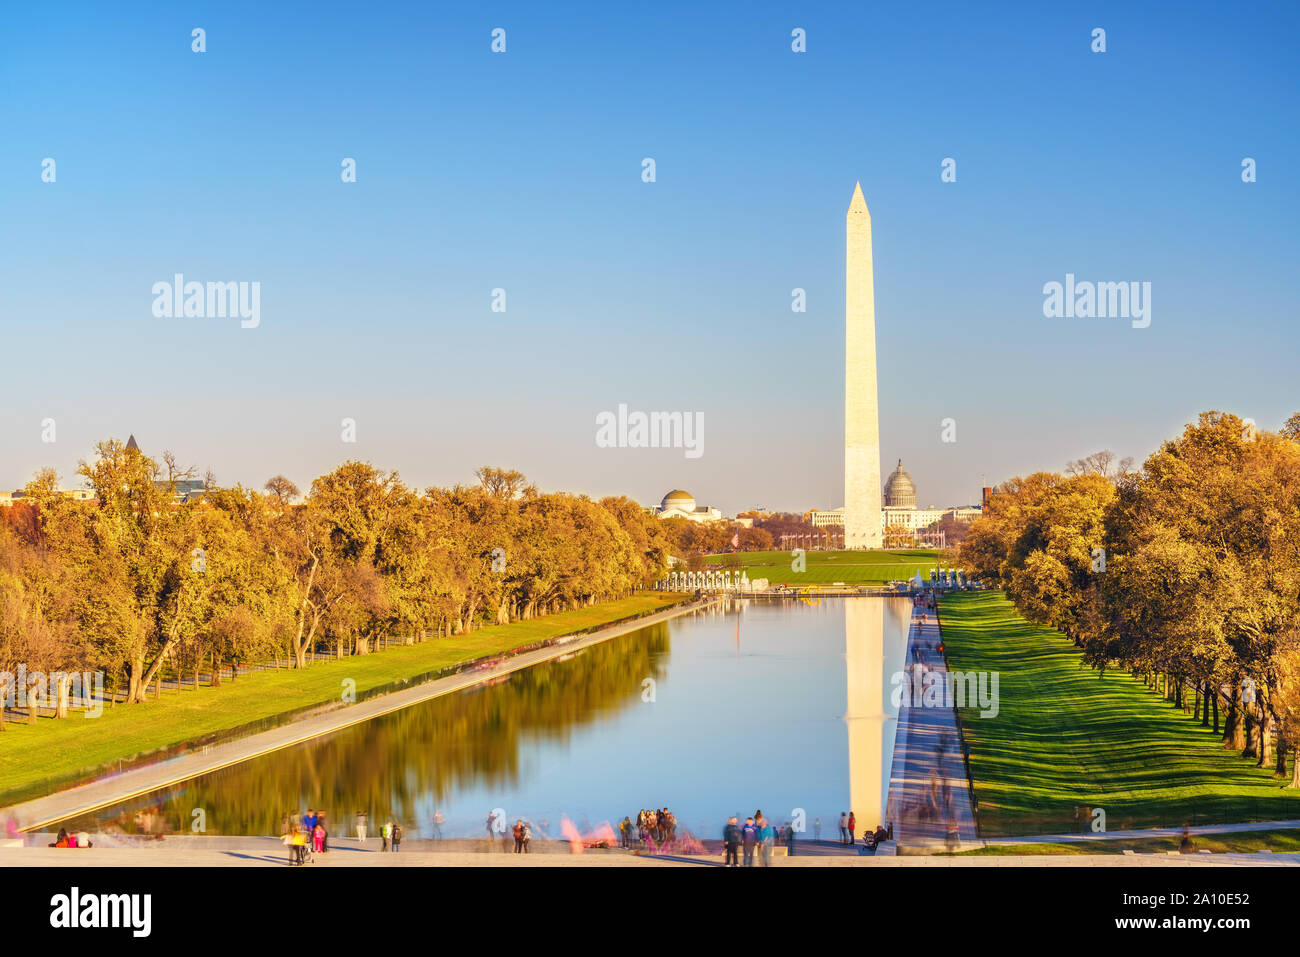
[309,835]
[306,836]
[756,834]
[389,833]
[659,826]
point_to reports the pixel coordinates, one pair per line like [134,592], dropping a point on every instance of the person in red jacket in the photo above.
[853,823]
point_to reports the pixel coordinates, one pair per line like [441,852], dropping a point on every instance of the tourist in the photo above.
[438,820]
[396,832]
[318,838]
[361,826]
[309,821]
[853,824]
[789,840]
[730,842]
[83,839]
[766,838]
[817,829]
[324,831]
[625,832]
[61,840]
[491,822]
[749,838]
[881,835]
[528,835]
[297,844]
[518,831]
[844,828]
[386,834]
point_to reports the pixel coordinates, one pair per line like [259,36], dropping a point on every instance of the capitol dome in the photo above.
[900,490]
[678,499]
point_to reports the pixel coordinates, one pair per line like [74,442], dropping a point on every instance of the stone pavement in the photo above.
[151,777]
[268,852]
[929,796]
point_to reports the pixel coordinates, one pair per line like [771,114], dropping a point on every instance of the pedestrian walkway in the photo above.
[268,852]
[929,794]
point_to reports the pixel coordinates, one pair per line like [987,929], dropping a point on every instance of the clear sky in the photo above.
[522,171]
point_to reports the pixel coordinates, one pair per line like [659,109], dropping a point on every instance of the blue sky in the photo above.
[522,171]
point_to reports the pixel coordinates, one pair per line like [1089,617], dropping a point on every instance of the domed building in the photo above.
[899,509]
[681,504]
[900,490]
[899,512]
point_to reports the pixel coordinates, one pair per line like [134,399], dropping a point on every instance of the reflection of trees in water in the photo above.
[421,753]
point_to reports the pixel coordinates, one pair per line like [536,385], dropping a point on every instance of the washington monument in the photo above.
[862,498]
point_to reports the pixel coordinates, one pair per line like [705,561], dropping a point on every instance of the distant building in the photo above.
[825,518]
[679,504]
[899,508]
[187,489]
[76,494]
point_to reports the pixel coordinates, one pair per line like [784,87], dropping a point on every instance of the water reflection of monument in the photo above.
[869,714]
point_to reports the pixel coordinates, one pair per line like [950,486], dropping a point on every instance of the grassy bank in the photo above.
[38,759]
[1068,738]
[828,567]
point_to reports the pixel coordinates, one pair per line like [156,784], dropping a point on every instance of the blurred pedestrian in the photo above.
[730,842]
[766,838]
[749,840]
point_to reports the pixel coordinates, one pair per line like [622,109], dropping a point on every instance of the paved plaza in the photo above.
[268,852]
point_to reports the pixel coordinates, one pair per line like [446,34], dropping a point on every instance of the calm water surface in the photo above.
[719,712]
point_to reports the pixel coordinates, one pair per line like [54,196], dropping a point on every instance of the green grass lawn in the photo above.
[825,568]
[1248,842]
[41,758]
[1066,737]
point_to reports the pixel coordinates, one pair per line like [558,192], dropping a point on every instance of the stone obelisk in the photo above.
[862,500]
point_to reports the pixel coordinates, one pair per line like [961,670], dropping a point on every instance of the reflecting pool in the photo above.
[772,704]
